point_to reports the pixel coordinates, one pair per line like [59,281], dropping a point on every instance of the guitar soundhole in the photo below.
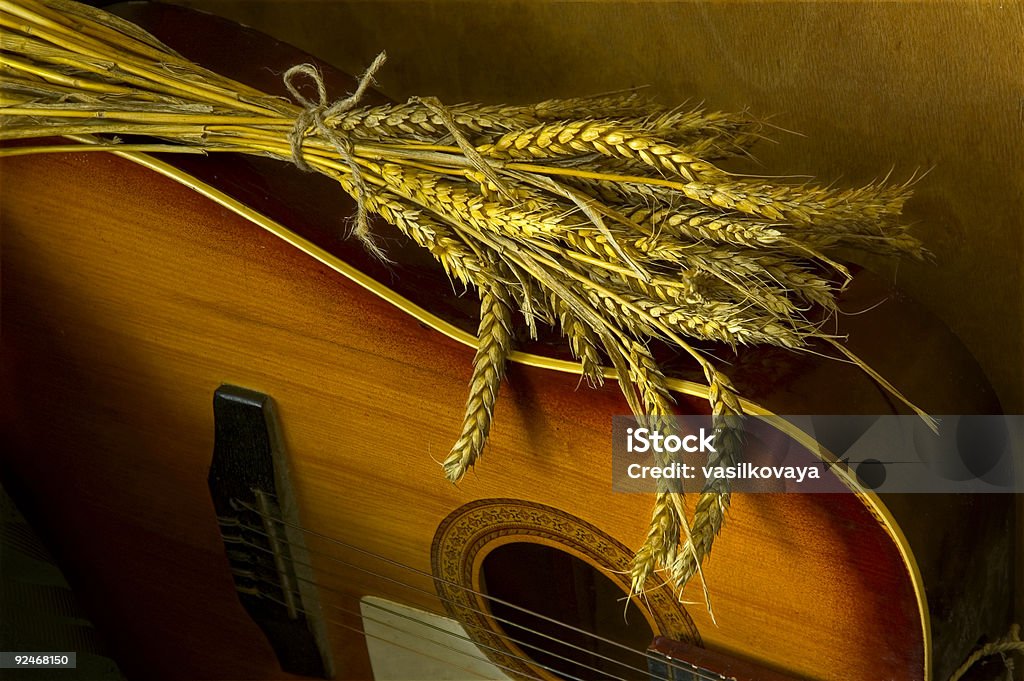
[560,568]
[563,613]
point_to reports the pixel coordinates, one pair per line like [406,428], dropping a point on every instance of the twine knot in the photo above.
[312,119]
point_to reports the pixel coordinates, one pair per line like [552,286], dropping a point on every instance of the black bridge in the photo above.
[259,524]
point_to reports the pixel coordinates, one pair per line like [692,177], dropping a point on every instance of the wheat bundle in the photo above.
[604,216]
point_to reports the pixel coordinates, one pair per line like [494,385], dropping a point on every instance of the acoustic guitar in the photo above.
[227,421]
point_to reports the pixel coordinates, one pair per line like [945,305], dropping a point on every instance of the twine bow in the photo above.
[313,117]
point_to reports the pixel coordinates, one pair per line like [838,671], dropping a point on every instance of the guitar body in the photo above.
[129,298]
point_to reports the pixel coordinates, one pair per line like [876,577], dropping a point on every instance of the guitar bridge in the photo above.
[258,521]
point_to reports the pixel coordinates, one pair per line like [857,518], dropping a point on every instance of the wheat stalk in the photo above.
[602,215]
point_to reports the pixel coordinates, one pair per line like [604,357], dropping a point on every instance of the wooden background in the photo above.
[871,88]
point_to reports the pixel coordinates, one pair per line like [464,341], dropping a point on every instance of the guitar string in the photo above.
[501,652]
[427,575]
[415,651]
[703,674]
[444,600]
[394,627]
[421,637]
[519,658]
[691,669]
[470,590]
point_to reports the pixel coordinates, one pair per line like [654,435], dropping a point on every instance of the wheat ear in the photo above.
[494,343]
[713,502]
